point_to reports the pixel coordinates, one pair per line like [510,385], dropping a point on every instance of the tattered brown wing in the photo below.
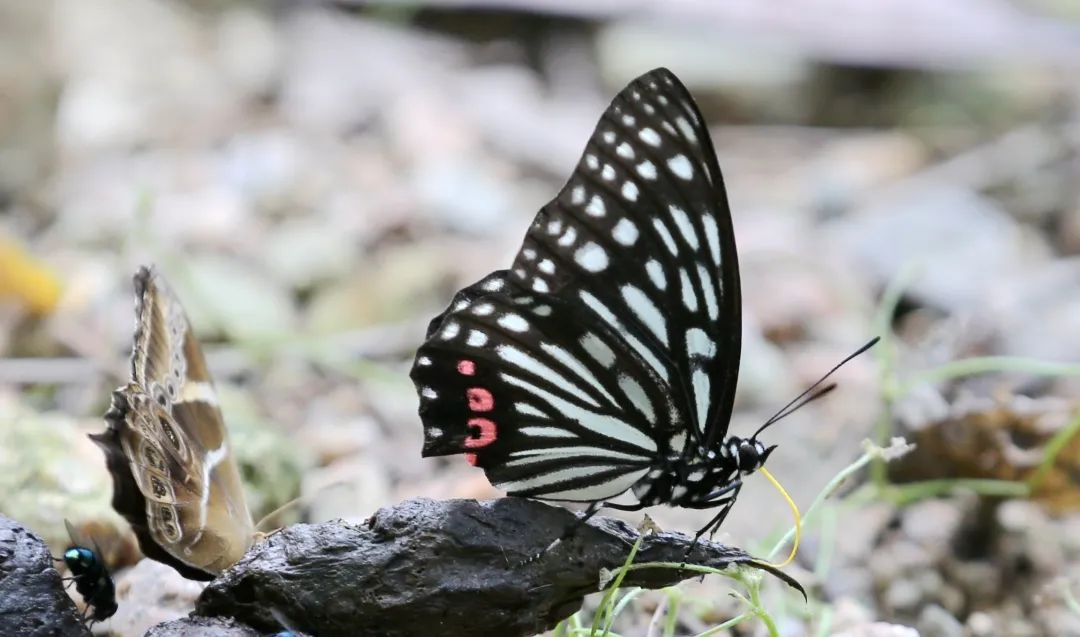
[167,448]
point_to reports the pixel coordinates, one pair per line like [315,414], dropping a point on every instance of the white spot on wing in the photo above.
[647,170]
[712,237]
[546,432]
[568,238]
[686,128]
[629,191]
[656,274]
[608,173]
[689,297]
[476,339]
[449,331]
[649,136]
[546,266]
[700,381]
[513,322]
[681,167]
[709,291]
[605,313]
[598,349]
[577,195]
[625,232]
[596,206]
[646,311]
[636,393]
[699,344]
[625,151]
[526,409]
[591,257]
[665,235]
[686,228]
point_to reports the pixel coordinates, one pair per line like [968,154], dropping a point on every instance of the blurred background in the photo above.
[316,179]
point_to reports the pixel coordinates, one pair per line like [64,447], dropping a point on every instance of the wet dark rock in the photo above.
[32,598]
[453,567]
[202,627]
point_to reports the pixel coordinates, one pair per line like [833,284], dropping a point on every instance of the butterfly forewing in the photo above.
[614,336]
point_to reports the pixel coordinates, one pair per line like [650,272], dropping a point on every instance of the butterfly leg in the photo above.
[723,498]
[576,525]
[568,533]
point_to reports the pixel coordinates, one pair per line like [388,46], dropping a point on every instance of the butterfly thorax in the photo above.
[701,476]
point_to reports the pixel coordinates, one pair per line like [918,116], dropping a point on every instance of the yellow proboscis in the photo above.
[794,511]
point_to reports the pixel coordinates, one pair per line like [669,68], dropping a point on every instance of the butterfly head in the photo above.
[747,454]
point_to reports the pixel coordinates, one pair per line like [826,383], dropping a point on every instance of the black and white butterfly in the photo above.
[605,359]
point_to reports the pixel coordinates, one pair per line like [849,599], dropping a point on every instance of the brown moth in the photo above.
[166,446]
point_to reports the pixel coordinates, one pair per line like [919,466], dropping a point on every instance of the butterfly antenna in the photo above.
[813,392]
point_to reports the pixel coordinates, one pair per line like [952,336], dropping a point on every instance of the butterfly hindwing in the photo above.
[167,447]
[614,337]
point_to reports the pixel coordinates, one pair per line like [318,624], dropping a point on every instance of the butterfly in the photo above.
[92,579]
[175,479]
[605,359]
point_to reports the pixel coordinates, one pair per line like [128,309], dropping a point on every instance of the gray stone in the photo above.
[935,621]
[33,602]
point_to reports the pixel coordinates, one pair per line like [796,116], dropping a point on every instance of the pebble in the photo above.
[935,621]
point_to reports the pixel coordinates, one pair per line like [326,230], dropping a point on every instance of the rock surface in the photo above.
[452,567]
[32,598]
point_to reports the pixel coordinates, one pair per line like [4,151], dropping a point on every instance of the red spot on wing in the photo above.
[466,367]
[480,399]
[484,433]
[471,459]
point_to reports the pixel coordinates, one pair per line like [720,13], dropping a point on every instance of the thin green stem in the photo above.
[988,364]
[605,603]
[755,602]
[674,596]
[829,489]
[1053,448]
[885,353]
[1070,599]
[738,619]
[824,622]
[914,491]
[827,543]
